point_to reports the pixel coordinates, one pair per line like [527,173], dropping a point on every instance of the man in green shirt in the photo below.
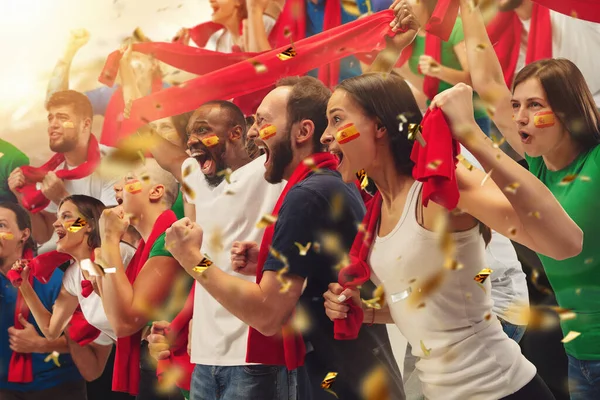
[10,158]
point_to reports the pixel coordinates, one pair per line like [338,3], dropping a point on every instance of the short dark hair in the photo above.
[569,97]
[308,100]
[235,115]
[23,222]
[90,209]
[79,101]
[385,97]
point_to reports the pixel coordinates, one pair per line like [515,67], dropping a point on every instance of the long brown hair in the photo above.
[90,209]
[569,97]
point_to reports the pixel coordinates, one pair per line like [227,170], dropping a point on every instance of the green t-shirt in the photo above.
[576,281]
[10,158]
[178,206]
[448,58]
[158,248]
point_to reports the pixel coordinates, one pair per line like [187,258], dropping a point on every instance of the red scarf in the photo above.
[288,348]
[179,357]
[588,10]
[505,32]
[439,182]
[439,185]
[239,79]
[20,368]
[33,199]
[126,374]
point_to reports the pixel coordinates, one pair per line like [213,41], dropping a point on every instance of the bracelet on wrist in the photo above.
[202,265]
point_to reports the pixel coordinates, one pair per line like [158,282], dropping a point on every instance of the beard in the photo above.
[281,156]
[509,5]
[64,145]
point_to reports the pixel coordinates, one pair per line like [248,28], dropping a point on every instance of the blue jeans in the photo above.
[264,382]
[515,332]
[584,379]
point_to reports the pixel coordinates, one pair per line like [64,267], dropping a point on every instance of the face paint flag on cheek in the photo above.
[210,141]
[543,119]
[6,236]
[77,225]
[267,131]
[347,133]
[133,187]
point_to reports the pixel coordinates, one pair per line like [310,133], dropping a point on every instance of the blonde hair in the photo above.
[159,176]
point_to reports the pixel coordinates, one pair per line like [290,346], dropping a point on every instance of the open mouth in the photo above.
[119,200]
[61,234]
[267,152]
[206,162]
[339,155]
[525,137]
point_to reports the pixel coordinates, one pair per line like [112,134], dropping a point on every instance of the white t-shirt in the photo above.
[463,351]
[92,185]
[576,40]
[226,213]
[91,306]
[222,41]
[509,282]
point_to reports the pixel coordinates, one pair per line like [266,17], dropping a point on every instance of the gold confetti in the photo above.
[226,173]
[512,231]
[215,241]
[497,142]
[329,380]
[464,162]
[487,316]
[425,350]
[286,284]
[258,67]
[229,192]
[145,177]
[77,225]
[386,59]
[415,132]
[376,386]
[363,179]
[54,357]
[481,46]
[303,249]
[535,214]
[169,379]
[202,265]
[289,53]
[378,300]
[564,314]
[428,287]
[435,164]
[342,263]
[581,177]
[483,275]
[568,179]
[1,154]
[446,240]
[68,125]
[512,188]
[574,14]
[487,176]
[287,32]
[535,276]
[188,191]
[588,260]
[578,291]
[301,320]
[187,171]
[7,236]
[434,66]
[337,206]
[570,336]
[266,221]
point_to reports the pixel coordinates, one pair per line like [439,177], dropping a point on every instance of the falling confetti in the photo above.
[535,276]
[446,241]
[286,284]
[337,206]
[77,225]
[1,154]
[303,249]
[167,382]
[258,67]
[483,275]
[403,121]
[229,192]
[588,261]
[54,357]
[425,350]
[378,300]
[187,171]
[568,179]
[535,214]
[188,191]
[415,132]
[328,381]
[289,53]
[7,236]
[434,66]
[215,241]
[376,386]
[396,297]
[487,176]
[435,164]
[363,179]
[564,313]
[464,162]
[512,188]
[226,173]
[572,335]
[512,231]
[487,316]
[266,221]
[145,177]
[427,288]
[202,265]
[481,46]
[497,142]
[581,177]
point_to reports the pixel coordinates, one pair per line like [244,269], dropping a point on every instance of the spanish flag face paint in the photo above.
[346,133]
[543,119]
[210,141]
[133,187]
[6,236]
[267,132]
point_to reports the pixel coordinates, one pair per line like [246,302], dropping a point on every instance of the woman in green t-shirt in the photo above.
[551,120]
[450,67]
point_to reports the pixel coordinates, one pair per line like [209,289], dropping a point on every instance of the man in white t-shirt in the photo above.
[230,195]
[574,39]
[69,132]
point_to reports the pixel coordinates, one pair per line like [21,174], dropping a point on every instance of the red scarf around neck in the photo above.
[20,368]
[588,10]
[288,348]
[242,78]
[505,32]
[126,374]
[33,199]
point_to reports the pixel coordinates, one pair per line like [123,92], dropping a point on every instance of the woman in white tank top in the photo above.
[464,352]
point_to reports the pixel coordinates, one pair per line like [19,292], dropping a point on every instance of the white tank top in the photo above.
[463,351]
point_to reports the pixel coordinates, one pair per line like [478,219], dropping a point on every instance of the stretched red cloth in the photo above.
[358,36]
[126,374]
[443,18]
[20,368]
[179,357]
[435,164]
[332,18]
[33,199]
[80,331]
[588,10]
[41,267]
[288,348]
[358,272]
[505,32]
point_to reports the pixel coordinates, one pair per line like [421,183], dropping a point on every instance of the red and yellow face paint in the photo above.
[347,133]
[267,132]
[210,141]
[544,119]
[6,236]
[133,187]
